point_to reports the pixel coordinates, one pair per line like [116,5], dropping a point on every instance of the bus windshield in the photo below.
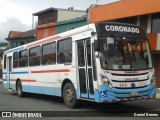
[122,53]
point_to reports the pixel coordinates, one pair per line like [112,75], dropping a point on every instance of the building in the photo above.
[3,47]
[145,13]
[55,20]
[70,24]
[17,38]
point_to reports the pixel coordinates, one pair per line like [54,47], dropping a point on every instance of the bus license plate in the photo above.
[134,93]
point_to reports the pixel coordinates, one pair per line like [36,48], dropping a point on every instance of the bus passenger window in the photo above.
[34,56]
[69,57]
[23,58]
[49,54]
[65,51]
[15,60]
[62,58]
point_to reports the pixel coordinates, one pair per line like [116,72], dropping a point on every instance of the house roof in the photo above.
[18,34]
[14,34]
[53,9]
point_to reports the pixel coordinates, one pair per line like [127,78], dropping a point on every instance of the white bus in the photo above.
[102,62]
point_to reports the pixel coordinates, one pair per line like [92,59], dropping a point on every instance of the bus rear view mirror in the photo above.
[96,45]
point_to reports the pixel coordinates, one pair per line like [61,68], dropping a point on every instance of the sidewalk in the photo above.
[158,93]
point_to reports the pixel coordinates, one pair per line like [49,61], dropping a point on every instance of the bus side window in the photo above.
[23,58]
[64,51]
[49,53]
[15,60]
[34,56]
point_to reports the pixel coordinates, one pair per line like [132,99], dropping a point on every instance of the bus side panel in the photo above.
[4,78]
[38,76]
[53,79]
[59,74]
[22,75]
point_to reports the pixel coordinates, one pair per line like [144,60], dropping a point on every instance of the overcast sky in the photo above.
[16,15]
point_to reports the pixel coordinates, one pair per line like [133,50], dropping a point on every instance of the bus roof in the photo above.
[97,27]
[53,38]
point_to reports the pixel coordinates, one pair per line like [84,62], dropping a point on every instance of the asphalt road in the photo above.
[9,101]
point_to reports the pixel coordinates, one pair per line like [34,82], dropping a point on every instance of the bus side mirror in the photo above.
[96,45]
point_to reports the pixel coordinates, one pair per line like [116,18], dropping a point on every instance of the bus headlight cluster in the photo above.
[106,81]
[153,79]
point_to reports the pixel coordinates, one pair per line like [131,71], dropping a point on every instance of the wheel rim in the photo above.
[69,95]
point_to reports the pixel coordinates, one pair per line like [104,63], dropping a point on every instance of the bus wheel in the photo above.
[69,96]
[19,89]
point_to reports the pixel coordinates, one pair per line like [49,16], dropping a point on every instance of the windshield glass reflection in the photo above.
[123,53]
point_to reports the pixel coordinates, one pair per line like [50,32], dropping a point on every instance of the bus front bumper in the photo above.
[121,95]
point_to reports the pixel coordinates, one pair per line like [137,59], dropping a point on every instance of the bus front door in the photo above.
[85,69]
[9,69]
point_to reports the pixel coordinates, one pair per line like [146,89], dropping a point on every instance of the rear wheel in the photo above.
[69,96]
[19,89]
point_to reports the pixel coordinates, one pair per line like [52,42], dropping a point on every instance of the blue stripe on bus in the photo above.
[14,50]
[4,79]
[25,72]
[117,94]
[55,91]
[38,89]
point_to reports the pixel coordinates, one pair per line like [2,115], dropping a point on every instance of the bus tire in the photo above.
[19,89]
[69,96]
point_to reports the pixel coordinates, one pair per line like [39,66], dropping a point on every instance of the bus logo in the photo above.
[133,85]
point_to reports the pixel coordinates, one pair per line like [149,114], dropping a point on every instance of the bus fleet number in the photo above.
[65,74]
[123,85]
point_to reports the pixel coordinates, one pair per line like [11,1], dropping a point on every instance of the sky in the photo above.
[16,15]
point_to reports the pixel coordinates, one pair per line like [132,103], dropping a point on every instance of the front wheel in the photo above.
[69,96]
[19,89]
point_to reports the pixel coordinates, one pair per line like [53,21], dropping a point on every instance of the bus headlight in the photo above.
[153,79]
[106,81]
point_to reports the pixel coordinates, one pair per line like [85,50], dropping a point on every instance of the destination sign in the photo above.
[122,29]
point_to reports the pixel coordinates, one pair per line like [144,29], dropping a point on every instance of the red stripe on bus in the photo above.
[48,71]
[50,39]
[114,100]
[25,80]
